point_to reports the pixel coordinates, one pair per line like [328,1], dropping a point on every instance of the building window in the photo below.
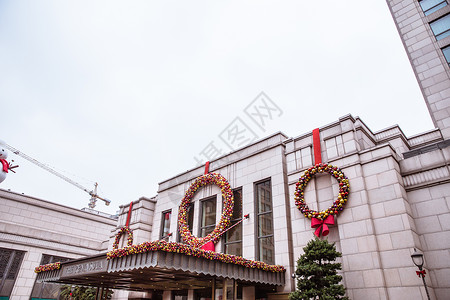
[430,6]
[48,290]
[441,27]
[165,225]
[264,209]
[446,52]
[208,216]
[233,237]
[190,221]
[10,261]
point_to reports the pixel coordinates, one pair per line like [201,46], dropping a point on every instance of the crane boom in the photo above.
[93,194]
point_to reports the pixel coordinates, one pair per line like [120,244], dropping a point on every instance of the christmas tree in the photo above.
[317,273]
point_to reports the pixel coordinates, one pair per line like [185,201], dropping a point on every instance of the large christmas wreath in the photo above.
[338,205]
[227,193]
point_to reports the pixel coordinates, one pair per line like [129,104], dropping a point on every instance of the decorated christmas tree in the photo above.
[317,273]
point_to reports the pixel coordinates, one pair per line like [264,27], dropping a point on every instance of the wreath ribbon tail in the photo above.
[322,225]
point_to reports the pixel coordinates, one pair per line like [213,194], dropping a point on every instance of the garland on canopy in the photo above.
[227,193]
[48,267]
[191,251]
[119,234]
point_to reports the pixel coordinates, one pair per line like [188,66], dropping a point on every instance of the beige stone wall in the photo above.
[428,191]
[379,226]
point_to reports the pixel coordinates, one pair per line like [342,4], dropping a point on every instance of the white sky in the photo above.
[127,93]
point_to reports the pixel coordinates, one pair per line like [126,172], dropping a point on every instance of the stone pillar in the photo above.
[190,294]
[167,295]
[141,221]
[248,292]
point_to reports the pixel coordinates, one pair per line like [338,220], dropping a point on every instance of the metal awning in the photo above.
[155,270]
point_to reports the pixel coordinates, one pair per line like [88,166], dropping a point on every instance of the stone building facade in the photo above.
[424,27]
[35,232]
[399,200]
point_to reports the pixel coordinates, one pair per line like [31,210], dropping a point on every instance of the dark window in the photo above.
[190,221]
[446,52]
[430,6]
[265,244]
[46,290]
[165,225]
[233,237]
[441,27]
[10,261]
[208,216]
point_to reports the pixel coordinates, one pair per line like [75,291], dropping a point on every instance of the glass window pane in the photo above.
[234,249]
[165,228]
[234,234]
[191,216]
[265,225]
[446,52]
[5,255]
[15,265]
[206,230]
[430,6]
[237,208]
[441,27]
[264,196]
[266,252]
[208,212]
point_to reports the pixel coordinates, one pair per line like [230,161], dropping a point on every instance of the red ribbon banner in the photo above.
[129,214]
[421,273]
[316,146]
[207,167]
[321,225]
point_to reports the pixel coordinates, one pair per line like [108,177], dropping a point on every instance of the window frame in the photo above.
[20,254]
[200,227]
[161,231]
[258,238]
[432,9]
[233,221]
[191,212]
[446,32]
[447,59]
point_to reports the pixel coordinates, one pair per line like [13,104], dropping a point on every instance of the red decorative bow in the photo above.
[421,273]
[5,165]
[321,225]
[209,246]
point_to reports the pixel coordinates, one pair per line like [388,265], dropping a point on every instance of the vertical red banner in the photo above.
[129,214]
[316,146]
[207,167]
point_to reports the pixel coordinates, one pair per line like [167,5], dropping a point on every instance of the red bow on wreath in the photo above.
[321,225]
[421,273]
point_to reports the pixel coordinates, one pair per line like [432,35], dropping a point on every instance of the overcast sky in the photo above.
[128,94]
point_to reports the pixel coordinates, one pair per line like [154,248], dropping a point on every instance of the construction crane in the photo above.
[93,193]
